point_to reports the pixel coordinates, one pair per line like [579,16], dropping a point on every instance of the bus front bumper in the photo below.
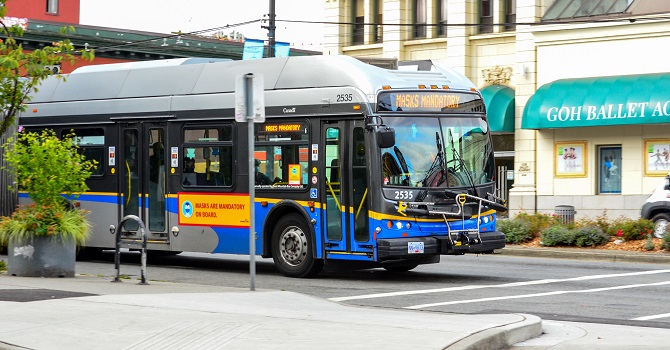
[404,248]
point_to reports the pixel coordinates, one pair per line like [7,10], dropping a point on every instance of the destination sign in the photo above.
[283,127]
[293,130]
[429,101]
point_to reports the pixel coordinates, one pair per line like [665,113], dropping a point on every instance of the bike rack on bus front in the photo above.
[460,201]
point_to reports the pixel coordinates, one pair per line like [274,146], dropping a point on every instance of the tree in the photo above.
[21,73]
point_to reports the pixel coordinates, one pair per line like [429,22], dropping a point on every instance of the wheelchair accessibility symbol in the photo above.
[312,193]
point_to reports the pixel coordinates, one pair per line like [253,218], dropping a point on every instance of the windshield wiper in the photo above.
[437,170]
[461,164]
[403,165]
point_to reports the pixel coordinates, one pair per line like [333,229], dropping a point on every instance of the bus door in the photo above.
[143,170]
[346,187]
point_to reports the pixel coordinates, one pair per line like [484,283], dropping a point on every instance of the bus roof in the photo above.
[192,77]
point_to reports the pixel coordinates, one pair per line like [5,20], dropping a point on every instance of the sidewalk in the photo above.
[94,313]
[90,312]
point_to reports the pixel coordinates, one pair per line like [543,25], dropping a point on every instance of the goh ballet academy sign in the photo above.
[607,101]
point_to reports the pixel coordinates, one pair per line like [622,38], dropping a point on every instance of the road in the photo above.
[555,289]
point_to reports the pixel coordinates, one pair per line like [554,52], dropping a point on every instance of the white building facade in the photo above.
[577,91]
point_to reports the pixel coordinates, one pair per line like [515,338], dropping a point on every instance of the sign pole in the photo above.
[249,92]
[250,108]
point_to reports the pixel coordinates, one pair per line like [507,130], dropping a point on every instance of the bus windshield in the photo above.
[438,152]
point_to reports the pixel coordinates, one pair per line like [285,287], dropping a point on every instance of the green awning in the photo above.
[602,101]
[499,101]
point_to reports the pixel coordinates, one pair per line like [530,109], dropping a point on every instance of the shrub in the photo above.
[631,230]
[601,221]
[590,236]
[557,235]
[538,221]
[49,169]
[515,230]
[666,242]
[3,265]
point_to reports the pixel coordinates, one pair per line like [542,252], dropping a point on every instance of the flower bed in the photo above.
[622,234]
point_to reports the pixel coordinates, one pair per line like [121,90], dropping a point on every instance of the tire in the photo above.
[292,248]
[661,224]
[400,268]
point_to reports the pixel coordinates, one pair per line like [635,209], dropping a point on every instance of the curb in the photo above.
[586,254]
[501,337]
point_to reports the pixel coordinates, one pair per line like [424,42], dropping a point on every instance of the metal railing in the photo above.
[119,241]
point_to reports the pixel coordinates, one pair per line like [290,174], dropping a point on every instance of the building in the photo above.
[43,20]
[577,91]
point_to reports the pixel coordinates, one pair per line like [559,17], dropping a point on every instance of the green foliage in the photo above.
[629,230]
[22,71]
[35,220]
[557,235]
[666,242]
[3,265]
[538,221]
[649,245]
[591,236]
[515,230]
[47,168]
[601,221]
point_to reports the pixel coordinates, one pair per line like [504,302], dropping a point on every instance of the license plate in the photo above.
[415,247]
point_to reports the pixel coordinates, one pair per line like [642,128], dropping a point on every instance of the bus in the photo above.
[356,166]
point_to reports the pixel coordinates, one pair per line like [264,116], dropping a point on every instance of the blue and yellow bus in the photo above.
[355,164]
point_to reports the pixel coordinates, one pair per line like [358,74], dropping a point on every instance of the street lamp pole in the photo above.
[271,30]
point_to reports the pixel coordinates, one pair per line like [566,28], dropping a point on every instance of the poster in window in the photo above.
[656,157]
[570,159]
[294,174]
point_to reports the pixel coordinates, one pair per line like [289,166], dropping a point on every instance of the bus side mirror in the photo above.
[385,137]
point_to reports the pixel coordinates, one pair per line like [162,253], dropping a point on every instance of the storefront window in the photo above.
[609,160]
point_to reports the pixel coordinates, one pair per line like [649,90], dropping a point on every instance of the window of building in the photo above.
[358,33]
[91,143]
[420,19]
[208,157]
[486,16]
[510,15]
[609,161]
[281,155]
[52,7]
[441,11]
[567,9]
[379,28]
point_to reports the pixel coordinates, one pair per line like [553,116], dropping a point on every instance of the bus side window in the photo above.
[91,144]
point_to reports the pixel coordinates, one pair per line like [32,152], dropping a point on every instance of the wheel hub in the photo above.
[293,246]
[660,228]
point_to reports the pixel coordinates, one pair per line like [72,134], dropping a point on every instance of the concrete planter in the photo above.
[42,256]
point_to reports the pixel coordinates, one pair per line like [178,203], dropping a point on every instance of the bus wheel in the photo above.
[292,248]
[400,268]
